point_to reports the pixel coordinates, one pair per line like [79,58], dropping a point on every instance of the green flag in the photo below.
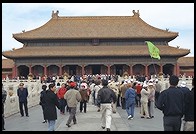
[153,50]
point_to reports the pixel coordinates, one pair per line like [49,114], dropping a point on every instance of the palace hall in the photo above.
[79,45]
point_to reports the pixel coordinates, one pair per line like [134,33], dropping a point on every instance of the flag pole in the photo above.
[154,67]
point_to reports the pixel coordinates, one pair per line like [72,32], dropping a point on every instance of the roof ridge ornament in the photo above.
[55,15]
[136,14]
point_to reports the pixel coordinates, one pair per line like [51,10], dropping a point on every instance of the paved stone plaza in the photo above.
[89,121]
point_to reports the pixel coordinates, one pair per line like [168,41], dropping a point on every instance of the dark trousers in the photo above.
[3,121]
[21,104]
[62,103]
[72,115]
[137,99]
[156,96]
[118,101]
[43,109]
[83,105]
[94,98]
[172,123]
[123,103]
[67,108]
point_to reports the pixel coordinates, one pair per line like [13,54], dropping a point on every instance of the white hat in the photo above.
[84,85]
[150,83]
[125,81]
[129,81]
[145,85]
[183,84]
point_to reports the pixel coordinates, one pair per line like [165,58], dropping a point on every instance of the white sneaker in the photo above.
[129,116]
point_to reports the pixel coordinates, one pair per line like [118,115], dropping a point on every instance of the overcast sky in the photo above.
[177,17]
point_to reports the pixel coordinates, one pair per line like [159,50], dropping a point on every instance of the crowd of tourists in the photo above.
[107,92]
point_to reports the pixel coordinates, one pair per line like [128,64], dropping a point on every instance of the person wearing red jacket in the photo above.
[61,92]
[138,91]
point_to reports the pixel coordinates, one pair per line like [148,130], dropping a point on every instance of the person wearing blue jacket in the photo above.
[130,95]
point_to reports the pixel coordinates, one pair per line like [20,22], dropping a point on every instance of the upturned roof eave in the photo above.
[79,56]
[22,40]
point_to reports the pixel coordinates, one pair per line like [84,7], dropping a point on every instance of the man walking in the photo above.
[106,97]
[189,110]
[73,97]
[50,102]
[171,103]
[130,95]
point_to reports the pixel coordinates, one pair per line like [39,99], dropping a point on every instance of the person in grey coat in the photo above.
[73,97]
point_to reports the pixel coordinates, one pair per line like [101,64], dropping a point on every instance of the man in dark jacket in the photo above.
[106,97]
[22,95]
[50,102]
[41,99]
[171,103]
[189,110]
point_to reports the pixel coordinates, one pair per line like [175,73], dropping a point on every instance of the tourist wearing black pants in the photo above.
[189,110]
[22,95]
[84,97]
[41,101]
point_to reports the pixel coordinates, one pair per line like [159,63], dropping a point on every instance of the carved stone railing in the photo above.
[11,104]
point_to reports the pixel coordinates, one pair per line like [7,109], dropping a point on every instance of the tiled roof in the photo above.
[95,27]
[89,51]
[7,63]
[186,61]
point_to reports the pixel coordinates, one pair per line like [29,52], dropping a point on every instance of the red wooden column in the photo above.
[14,72]
[146,69]
[108,69]
[130,69]
[83,71]
[177,69]
[60,70]
[45,70]
[30,68]
[174,69]
[161,68]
